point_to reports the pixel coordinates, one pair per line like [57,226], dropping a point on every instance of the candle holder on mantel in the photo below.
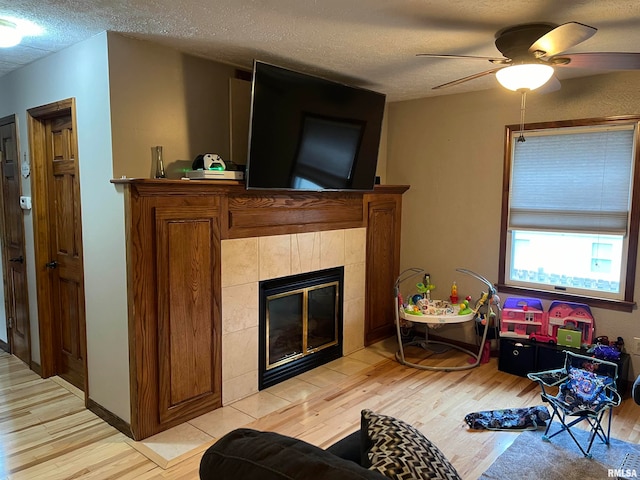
[158,162]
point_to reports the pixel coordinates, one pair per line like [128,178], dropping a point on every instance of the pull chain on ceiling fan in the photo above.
[522,106]
[532,51]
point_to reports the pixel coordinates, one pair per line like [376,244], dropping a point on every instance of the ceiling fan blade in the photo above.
[561,39]
[466,79]
[598,60]
[491,59]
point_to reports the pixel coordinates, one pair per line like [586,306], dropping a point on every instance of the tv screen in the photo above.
[309,133]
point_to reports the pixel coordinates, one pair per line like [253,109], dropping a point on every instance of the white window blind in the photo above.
[578,180]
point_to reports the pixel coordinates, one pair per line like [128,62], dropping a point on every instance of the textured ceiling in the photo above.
[370,43]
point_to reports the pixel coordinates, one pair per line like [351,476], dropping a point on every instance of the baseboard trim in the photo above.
[4,346]
[35,366]
[109,417]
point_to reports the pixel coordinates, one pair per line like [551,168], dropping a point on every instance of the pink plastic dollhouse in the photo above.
[521,317]
[571,316]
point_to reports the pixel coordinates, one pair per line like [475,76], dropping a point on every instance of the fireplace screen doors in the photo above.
[301,322]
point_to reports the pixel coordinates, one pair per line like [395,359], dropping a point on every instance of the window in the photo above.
[569,219]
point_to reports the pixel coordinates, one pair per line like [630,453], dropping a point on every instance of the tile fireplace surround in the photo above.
[226,240]
[247,261]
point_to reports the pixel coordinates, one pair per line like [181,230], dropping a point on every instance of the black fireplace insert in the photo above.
[300,324]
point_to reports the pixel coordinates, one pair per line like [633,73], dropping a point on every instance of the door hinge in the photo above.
[10,321]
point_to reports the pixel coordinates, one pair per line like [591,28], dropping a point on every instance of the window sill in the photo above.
[605,303]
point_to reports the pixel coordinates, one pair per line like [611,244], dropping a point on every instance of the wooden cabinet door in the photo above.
[188,268]
[177,372]
[383,264]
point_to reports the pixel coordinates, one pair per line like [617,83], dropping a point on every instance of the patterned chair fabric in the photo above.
[586,392]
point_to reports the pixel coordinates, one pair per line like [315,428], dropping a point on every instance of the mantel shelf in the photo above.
[166,185]
[252,213]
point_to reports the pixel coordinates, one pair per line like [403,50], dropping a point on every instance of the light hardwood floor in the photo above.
[45,433]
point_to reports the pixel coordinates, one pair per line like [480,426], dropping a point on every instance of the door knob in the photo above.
[19,259]
[52,264]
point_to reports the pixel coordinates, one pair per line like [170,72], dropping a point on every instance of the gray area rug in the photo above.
[529,457]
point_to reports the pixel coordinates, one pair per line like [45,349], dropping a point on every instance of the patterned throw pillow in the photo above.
[400,451]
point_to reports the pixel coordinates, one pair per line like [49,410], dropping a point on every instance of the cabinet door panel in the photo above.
[188,275]
[383,263]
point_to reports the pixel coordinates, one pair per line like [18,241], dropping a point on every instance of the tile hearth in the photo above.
[191,438]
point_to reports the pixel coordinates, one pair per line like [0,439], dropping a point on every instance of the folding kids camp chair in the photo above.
[586,392]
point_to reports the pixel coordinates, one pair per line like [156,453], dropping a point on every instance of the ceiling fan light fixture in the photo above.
[9,34]
[524,76]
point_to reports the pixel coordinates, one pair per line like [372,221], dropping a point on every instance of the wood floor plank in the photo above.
[40,446]
[109,457]
[46,434]
[45,410]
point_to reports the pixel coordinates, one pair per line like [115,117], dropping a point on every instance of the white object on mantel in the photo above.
[210,161]
[215,175]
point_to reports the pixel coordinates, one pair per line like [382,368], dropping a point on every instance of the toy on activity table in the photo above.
[465,309]
[454,293]
[425,287]
[487,301]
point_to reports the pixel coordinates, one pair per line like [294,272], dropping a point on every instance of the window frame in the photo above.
[628,303]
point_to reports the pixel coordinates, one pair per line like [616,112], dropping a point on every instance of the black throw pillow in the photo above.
[348,448]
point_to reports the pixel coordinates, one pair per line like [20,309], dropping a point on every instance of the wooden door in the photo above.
[58,227]
[66,248]
[13,256]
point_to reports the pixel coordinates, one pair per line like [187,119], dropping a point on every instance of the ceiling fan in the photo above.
[531,52]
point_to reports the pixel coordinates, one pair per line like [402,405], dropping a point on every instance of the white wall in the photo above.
[81,71]
[450,149]
[160,96]
[130,95]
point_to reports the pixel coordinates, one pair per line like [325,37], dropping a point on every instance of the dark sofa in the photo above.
[383,448]
[248,454]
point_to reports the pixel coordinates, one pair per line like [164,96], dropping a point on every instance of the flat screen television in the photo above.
[309,133]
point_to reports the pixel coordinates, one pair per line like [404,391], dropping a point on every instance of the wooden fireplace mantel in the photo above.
[251,213]
[174,230]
